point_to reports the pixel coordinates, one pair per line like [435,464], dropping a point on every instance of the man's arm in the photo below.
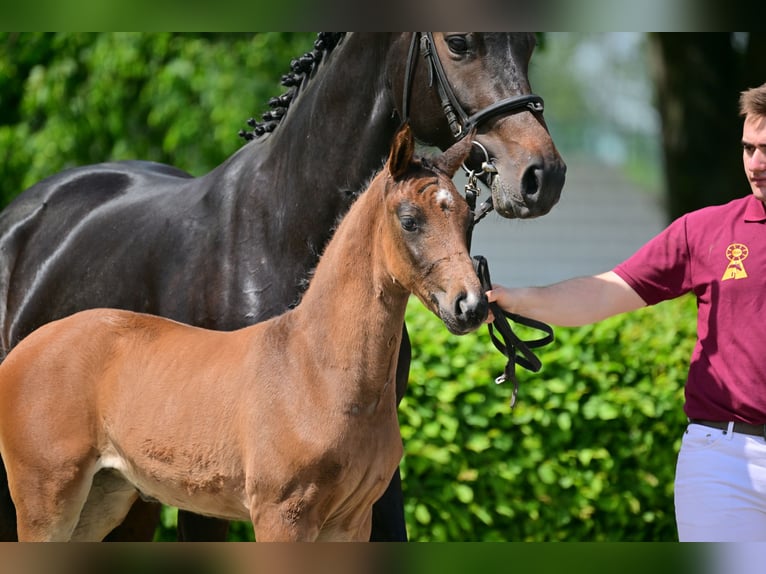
[570,303]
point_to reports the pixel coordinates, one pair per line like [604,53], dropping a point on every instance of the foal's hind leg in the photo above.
[49,503]
[109,501]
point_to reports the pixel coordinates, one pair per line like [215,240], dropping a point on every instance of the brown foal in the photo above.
[295,424]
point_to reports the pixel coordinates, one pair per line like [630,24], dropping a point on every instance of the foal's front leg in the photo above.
[274,526]
[286,521]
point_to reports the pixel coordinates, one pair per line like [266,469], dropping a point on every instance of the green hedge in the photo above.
[588,453]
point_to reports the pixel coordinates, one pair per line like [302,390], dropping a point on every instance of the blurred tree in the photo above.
[598,98]
[697,80]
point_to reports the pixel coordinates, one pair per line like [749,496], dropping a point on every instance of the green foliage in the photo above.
[69,99]
[588,453]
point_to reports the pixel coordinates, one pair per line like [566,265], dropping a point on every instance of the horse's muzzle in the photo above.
[467,312]
[534,194]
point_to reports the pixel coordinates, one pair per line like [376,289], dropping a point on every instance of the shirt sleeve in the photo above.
[660,270]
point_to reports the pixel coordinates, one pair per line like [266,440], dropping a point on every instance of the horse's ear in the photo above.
[451,160]
[402,150]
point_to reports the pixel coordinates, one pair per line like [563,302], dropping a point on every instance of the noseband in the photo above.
[459,121]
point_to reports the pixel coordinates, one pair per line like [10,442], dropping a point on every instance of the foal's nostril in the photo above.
[470,308]
[461,304]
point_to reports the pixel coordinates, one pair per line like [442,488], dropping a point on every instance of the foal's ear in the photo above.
[400,158]
[451,160]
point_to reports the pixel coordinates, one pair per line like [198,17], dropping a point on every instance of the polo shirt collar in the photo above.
[755,210]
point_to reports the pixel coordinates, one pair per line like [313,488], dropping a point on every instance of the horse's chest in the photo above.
[343,472]
[357,473]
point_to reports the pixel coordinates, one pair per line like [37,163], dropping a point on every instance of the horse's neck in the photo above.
[345,115]
[336,132]
[353,308]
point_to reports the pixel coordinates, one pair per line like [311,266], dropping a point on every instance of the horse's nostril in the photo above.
[532,181]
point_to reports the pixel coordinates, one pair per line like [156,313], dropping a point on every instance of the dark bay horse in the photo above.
[291,422]
[235,246]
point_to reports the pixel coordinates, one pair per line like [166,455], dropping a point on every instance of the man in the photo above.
[719,254]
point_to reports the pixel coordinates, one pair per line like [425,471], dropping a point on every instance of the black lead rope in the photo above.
[517,351]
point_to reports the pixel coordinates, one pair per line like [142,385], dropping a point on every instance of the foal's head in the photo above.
[425,233]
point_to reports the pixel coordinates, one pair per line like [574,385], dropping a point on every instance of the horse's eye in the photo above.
[409,223]
[458,43]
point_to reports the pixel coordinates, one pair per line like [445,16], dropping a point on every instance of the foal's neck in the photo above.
[353,305]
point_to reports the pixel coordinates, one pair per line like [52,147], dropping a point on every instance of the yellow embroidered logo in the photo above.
[736,253]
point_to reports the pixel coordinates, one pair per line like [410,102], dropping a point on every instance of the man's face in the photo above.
[754,154]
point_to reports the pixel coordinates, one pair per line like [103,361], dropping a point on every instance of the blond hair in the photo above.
[753,101]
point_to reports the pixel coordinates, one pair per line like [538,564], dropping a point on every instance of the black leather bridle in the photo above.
[459,121]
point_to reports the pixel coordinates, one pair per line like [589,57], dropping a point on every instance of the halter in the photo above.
[461,124]
[459,121]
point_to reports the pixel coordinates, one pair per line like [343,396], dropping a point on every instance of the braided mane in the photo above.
[301,69]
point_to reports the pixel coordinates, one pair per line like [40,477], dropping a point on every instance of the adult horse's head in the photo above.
[454,82]
[425,234]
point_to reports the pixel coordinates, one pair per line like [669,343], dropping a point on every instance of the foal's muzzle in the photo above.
[465,313]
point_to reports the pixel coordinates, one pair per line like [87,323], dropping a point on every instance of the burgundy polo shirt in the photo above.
[718,253]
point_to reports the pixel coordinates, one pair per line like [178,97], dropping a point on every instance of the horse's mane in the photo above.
[301,69]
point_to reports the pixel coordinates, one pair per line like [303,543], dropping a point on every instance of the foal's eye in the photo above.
[458,43]
[408,222]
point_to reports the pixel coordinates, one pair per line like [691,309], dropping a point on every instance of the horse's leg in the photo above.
[139,525]
[388,514]
[109,501]
[7,509]
[196,528]
[285,521]
[349,529]
[388,523]
[403,365]
[49,503]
